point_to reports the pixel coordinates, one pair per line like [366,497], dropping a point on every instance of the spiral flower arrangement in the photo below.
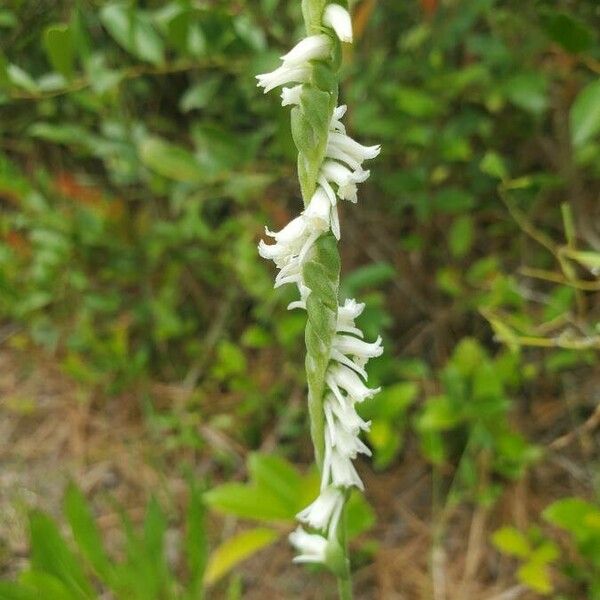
[330,167]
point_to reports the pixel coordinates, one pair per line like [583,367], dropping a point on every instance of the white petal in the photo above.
[312,547]
[338,18]
[310,48]
[283,75]
[355,347]
[291,96]
[325,510]
[318,212]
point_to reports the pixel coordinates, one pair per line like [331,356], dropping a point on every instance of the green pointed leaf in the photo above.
[512,542]
[170,161]
[360,517]
[50,554]
[236,549]
[49,587]
[564,29]
[585,114]
[58,43]
[85,532]
[589,259]
[310,129]
[196,543]
[248,502]
[278,477]
[133,31]
[17,591]
[321,275]
[21,79]
[536,576]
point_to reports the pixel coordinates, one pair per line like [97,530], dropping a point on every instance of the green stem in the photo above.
[345,588]
[345,581]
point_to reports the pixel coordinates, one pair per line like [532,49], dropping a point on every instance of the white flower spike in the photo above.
[338,176]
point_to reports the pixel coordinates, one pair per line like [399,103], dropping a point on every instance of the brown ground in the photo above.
[53,431]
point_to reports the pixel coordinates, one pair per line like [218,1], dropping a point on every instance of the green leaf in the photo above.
[196,543]
[17,591]
[359,515]
[386,439]
[584,117]
[440,414]
[279,477]
[461,236]
[133,31]
[8,19]
[547,552]
[310,130]
[236,549]
[50,554]
[369,276]
[170,161]
[321,274]
[248,502]
[416,102]
[21,79]
[564,29]
[571,514]
[58,43]
[589,259]
[528,91]
[155,529]
[391,403]
[4,78]
[201,94]
[512,542]
[536,576]
[85,532]
[48,587]
[493,165]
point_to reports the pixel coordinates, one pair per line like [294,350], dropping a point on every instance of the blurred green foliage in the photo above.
[57,572]
[138,165]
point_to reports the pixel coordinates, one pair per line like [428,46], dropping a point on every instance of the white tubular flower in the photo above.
[336,120]
[346,316]
[312,547]
[324,513]
[338,18]
[343,409]
[338,468]
[345,179]
[360,351]
[343,148]
[345,440]
[282,76]
[318,211]
[297,237]
[310,48]
[340,376]
[352,346]
[288,242]
[295,67]
[291,96]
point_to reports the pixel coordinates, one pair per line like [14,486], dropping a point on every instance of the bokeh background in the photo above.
[147,364]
